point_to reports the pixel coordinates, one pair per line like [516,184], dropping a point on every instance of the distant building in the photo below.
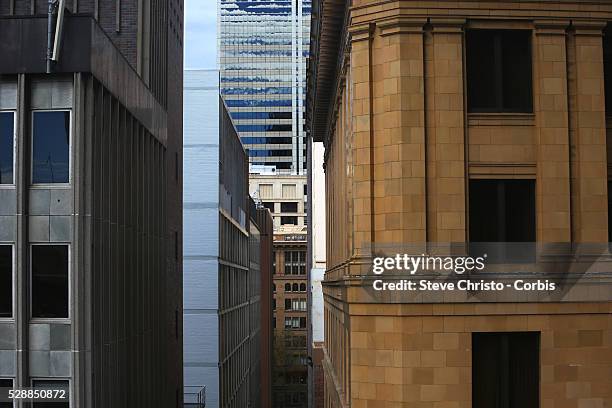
[263,49]
[316,264]
[91,201]
[201,236]
[227,260]
[285,196]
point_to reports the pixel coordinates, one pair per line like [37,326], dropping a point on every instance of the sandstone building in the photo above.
[460,122]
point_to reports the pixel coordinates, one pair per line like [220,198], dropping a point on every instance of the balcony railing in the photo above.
[194,396]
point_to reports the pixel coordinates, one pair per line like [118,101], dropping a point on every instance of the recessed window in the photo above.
[607,51]
[50,281]
[51,147]
[295,287]
[287,287]
[6,281]
[502,211]
[53,385]
[505,370]
[302,287]
[269,205]
[499,76]
[288,304]
[609,211]
[295,263]
[7,147]
[289,207]
[6,383]
[289,220]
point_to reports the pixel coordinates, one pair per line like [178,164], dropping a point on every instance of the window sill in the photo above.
[501,119]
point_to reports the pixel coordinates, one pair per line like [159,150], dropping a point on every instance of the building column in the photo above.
[551,111]
[399,125]
[587,132]
[445,131]
[361,147]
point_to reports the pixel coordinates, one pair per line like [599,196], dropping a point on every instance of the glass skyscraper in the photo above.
[263,47]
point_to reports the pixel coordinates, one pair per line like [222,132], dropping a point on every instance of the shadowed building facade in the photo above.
[453,123]
[90,202]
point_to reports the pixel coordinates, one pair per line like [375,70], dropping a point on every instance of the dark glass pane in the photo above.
[52,385]
[520,210]
[6,383]
[7,138]
[289,207]
[50,281]
[481,70]
[607,49]
[502,211]
[50,150]
[6,281]
[516,71]
[505,370]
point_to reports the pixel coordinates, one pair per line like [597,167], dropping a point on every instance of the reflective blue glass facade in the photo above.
[263,47]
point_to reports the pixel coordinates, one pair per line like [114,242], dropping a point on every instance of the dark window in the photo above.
[609,211]
[289,207]
[505,370]
[295,287]
[50,281]
[302,287]
[6,281]
[287,304]
[499,75]
[7,140]
[502,211]
[269,206]
[6,383]
[305,188]
[52,385]
[50,147]
[289,220]
[287,287]
[607,50]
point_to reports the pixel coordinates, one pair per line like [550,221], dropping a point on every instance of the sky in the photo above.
[200,34]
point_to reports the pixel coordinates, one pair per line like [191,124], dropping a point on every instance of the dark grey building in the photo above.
[90,200]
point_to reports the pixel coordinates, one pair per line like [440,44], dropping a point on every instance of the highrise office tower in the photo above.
[263,47]
[90,200]
[461,126]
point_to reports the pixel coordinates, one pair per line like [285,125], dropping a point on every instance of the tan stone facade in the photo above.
[401,150]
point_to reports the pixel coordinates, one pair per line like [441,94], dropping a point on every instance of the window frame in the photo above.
[13,381]
[14,112]
[13,280]
[64,379]
[66,320]
[70,159]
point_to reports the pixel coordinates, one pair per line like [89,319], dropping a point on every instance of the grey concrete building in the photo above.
[226,259]
[201,237]
[90,200]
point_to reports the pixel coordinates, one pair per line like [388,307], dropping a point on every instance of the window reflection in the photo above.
[7,140]
[51,147]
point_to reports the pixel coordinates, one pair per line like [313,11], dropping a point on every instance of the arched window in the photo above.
[295,287]
[302,287]
[287,287]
